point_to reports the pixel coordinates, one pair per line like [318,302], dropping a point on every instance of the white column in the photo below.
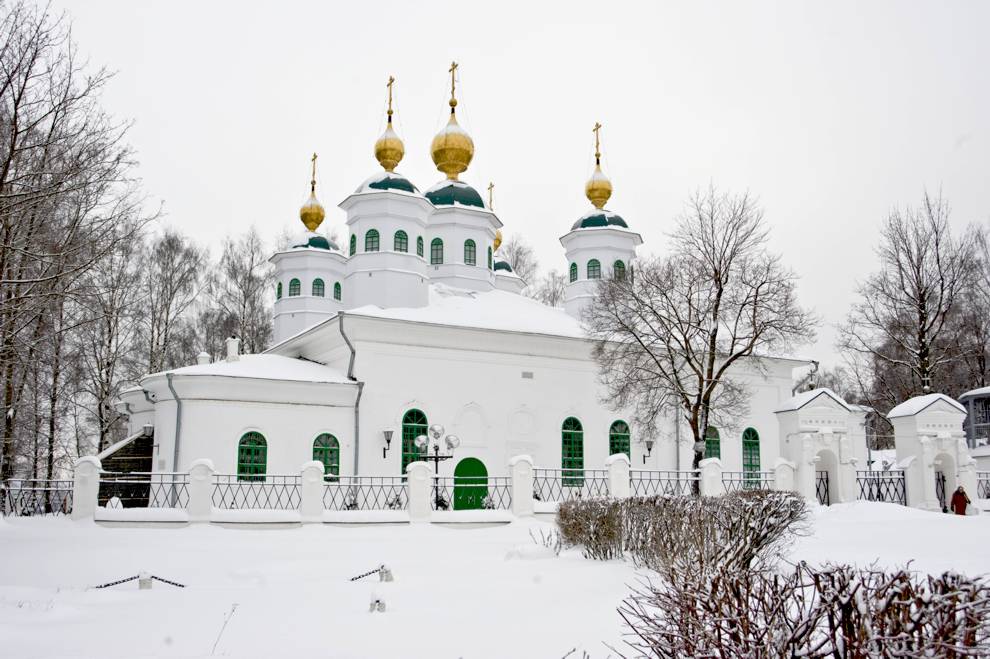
[86,487]
[418,489]
[311,492]
[521,472]
[200,490]
[710,478]
[618,475]
[783,475]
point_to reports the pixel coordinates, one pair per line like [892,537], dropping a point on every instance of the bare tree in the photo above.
[900,331]
[672,338]
[548,289]
[519,255]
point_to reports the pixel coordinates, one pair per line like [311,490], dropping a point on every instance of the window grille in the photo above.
[618,439]
[713,445]
[318,288]
[572,452]
[619,270]
[414,424]
[573,272]
[326,449]
[436,252]
[336,291]
[353,245]
[252,457]
[419,245]
[469,253]
[594,269]
[294,288]
[371,241]
[401,241]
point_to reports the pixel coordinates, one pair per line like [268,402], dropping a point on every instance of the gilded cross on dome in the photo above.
[598,152]
[491,188]
[453,85]
[391,81]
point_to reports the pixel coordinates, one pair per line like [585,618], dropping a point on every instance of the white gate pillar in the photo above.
[200,490]
[86,487]
[783,475]
[311,492]
[710,477]
[418,489]
[618,475]
[521,473]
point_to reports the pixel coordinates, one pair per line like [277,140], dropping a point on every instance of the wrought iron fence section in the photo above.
[268,492]
[499,495]
[734,481]
[886,486]
[672,483]
[471,493]
[983,484]
[29,497]
[557,485]
[821,487]
[442,493]
[366,493]
[143,490]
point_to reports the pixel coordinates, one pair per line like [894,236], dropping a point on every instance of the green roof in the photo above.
[314,240]
[503,265]
[448,193]
[600,218]
[388,181]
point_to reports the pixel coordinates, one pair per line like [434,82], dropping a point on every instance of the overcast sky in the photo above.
[831,113]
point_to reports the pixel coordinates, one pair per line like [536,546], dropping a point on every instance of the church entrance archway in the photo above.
[945,479]
[470,484]
[826,477]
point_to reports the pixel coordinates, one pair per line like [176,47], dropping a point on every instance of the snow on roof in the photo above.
[498,310]
[265,367]
[982,391]
[913,406]
[805,397]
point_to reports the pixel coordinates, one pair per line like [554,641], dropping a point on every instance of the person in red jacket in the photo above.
[959,501]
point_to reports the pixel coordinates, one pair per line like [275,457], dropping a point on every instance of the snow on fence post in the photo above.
[86,487]
[710,477]
[521,473]
[618,475]
[783,475]
[311,492]
[418,490]
[200,490]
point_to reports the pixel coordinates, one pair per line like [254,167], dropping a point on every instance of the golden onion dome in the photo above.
[452,148]
[389,148]
[598,189]
[312,212]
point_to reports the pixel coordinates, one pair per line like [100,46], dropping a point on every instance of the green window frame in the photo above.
[751,457]
[336,291]
[436,252]
[419,245]
[713,444]
[594,269]
[353,244]
[619,270]
[326,449]
[489,257]
[401,241]
[371,240]
[414,424]
[252,457]
[278,291]
[319,288]
[574,271]
[618,439]
[294,288]
[572,453]
[470,253]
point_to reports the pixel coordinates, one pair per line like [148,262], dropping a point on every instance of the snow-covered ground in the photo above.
[458,592]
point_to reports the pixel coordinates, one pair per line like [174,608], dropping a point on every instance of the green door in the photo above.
[470,484]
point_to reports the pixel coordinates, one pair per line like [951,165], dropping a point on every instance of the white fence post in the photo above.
[783,475]
[86,487]
[710,477]
[200,490]
[311,492]
[521,472]
[419,488]
[618,475]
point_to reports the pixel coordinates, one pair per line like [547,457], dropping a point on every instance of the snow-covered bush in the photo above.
[835,611]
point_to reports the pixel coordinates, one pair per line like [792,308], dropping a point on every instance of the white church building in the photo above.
[415,321]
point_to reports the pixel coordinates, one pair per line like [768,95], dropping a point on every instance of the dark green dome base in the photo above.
[600,218]
[388,181]
[448,193]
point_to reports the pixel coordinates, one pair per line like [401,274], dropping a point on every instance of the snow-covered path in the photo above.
[482,592]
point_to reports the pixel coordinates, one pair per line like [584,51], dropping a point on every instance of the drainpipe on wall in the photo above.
[178,422]
[360,390]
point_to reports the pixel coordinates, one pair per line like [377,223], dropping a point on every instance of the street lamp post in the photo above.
[432,444]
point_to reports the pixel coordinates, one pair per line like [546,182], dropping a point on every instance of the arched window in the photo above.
[618,439]
[326,449]
[294,287]
[371,240]
[619,270]
[713,445]
[751,457]
[278,291]
[318,288]
[573,272]
[336,291]
[401,241]
[489,257]
[353,244]
[436,252]
[413,425]
[419,245]
[594,269]
[252,457]
[572,453]
[470,253]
